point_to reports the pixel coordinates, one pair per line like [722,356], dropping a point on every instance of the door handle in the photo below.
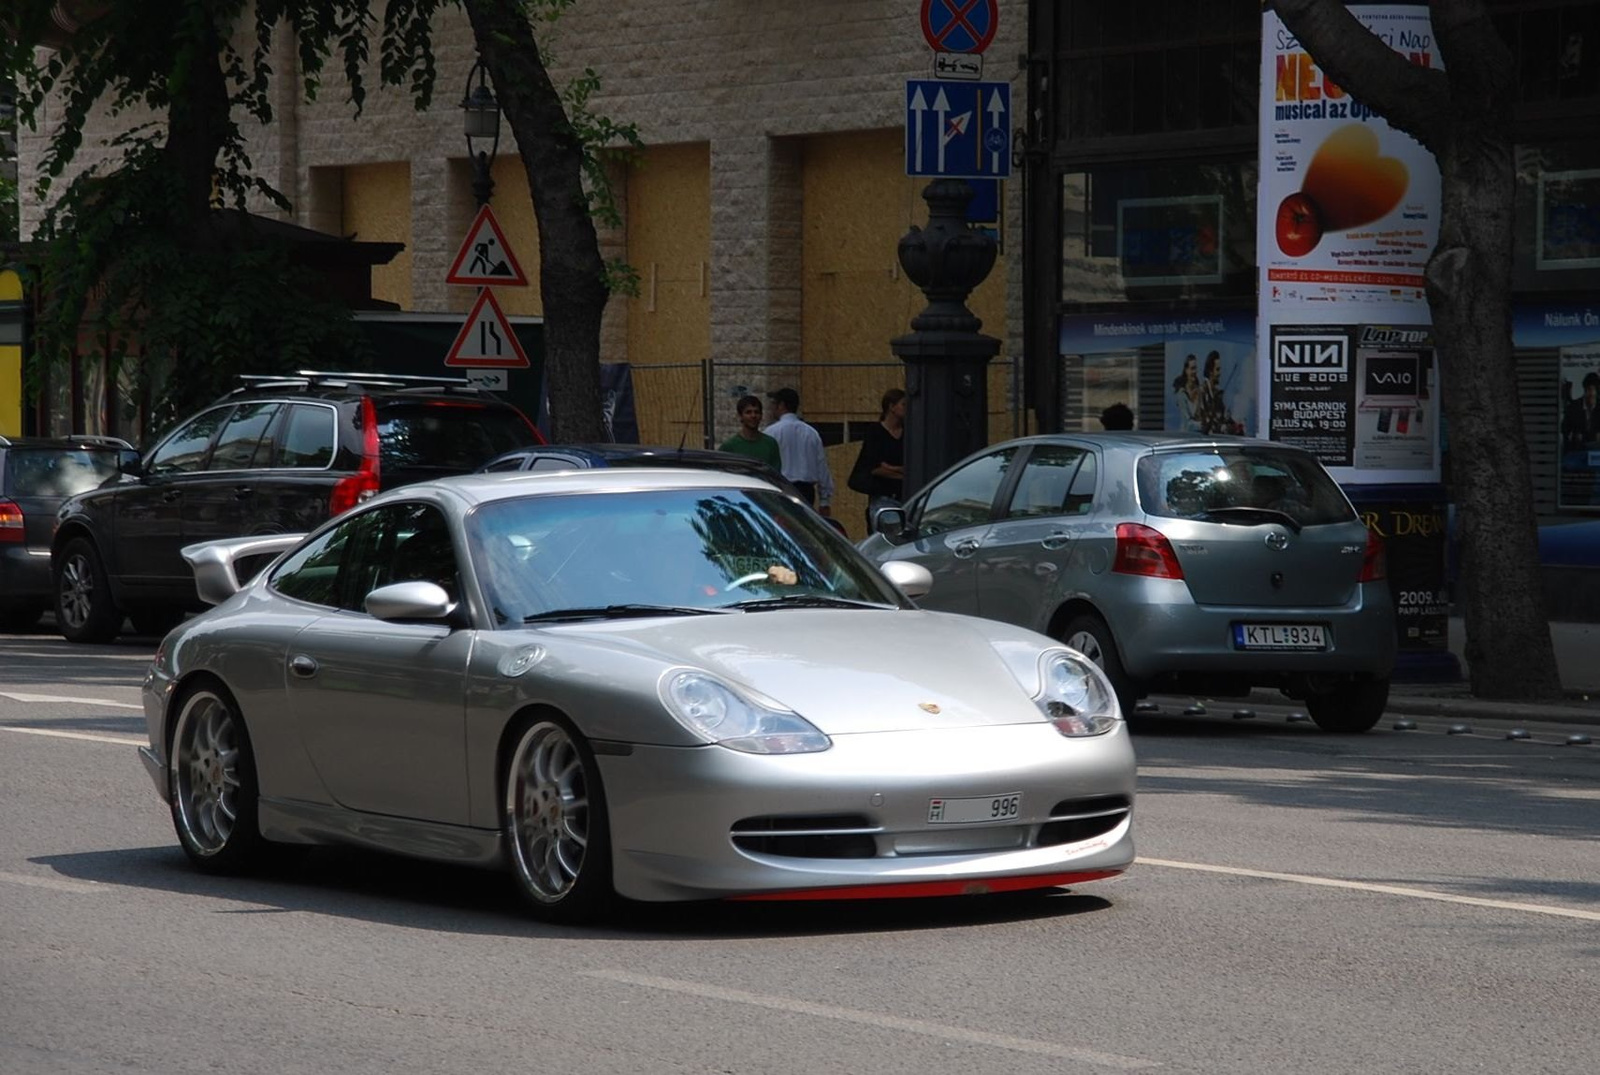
[965,548]
[242,492]
[170,495]
[1058,539]
[302,666]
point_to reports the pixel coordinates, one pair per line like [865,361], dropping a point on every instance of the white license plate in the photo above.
[975,810]
[1279,636]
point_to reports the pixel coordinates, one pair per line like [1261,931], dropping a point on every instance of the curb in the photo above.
[1436,706]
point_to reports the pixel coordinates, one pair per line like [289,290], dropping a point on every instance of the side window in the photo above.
[312,574]
[185,450]
[1080,498]
[500,466]
[1046,479]
[552,462]
[238,443]
[966,497]
[398,543]
[309,438]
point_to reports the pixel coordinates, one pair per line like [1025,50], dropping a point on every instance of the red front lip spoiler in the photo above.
[919,889]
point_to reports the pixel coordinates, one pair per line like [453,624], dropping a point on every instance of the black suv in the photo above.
[277,455]
[36,475]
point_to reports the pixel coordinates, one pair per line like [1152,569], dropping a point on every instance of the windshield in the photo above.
[60,471]
[1243,484]
[682,550]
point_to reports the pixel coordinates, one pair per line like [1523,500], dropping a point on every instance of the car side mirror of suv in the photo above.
[128,463]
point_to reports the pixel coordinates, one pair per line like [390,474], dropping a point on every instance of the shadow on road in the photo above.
[418,895]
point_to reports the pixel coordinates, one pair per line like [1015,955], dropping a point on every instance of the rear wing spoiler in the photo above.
[216,578]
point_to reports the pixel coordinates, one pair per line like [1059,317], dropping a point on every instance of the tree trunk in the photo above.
[198,121]
[1463,115]
[571,272]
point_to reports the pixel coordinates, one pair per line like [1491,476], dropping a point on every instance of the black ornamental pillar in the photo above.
[946,357]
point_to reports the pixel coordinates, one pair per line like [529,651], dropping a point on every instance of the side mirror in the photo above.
[914,580]
[891,523]
[403,601]
[129,463]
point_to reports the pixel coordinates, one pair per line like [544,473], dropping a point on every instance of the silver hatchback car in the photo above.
[1202,565]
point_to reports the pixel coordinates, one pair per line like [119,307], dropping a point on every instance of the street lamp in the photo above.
[481,120]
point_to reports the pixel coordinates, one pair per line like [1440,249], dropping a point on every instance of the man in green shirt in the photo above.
[749,440]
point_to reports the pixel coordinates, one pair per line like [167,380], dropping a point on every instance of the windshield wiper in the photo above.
[620,612]
[1273,514]
[805,600]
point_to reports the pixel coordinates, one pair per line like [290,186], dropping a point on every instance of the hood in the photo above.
[849,671]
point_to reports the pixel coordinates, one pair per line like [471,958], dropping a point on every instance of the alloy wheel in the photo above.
[206,772]
[547,802]
[77,590]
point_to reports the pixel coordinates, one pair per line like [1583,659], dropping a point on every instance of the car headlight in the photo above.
[710,707]
[1075,696]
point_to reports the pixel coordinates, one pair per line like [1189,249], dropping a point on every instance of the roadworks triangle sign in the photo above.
[485,258]
[486,340]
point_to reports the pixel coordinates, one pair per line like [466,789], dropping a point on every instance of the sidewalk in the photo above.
[1577,647]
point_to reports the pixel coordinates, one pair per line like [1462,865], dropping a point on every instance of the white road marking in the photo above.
[48,882]
[119,740]
[15,697]
[57,654]
[884,1022]
[1366,886]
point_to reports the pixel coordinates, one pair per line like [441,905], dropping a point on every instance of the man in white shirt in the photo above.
[805,463]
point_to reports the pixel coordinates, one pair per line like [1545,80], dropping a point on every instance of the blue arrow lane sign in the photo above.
[958,130]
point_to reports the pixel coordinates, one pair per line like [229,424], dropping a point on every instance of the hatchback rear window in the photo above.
[58,471]
[454,436]
[1217,482]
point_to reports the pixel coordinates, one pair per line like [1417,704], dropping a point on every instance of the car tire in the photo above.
[154,620]
[1353,706]
[211,783]
[16,619]
[557,828]
[85,609]
[1090,636]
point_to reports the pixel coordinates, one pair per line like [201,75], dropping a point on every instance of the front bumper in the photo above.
[154,694]
[674,814]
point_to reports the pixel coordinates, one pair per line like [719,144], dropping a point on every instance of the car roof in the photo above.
[332,385]
[1139,440]
[511,484]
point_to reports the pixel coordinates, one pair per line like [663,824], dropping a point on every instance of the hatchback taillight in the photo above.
[363,484]
[1375,561]
[1143,550]
[11,531]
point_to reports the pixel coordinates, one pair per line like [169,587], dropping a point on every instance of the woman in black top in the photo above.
[883,456]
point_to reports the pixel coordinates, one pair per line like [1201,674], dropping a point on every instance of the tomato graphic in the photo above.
[1299,225]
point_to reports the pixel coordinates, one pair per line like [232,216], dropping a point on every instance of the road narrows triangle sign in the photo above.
[486,340]
[485,258]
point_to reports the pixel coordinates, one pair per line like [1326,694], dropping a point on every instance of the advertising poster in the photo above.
[1571,333]
[1160,347]
[1311,393]
[1414,533]
[1348,215]
[1579,485]
[1349,207]
[1211,389]
[1396,402]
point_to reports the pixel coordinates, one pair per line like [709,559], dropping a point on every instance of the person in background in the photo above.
[805,462]
[1581,424]
[1117,416]
[880,469]
[749,440]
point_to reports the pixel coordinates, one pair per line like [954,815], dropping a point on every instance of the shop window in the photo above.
[1163,232]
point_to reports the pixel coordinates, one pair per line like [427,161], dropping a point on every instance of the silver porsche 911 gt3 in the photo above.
[658,684]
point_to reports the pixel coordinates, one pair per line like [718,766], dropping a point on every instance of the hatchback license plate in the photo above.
[1279,636]
[975,810]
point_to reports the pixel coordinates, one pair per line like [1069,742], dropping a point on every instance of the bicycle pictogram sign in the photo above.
[959,25]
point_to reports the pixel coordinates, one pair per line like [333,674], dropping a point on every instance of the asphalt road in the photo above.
[1399,901]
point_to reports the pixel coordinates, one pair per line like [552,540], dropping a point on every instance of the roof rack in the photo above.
[83,438]
[333,379]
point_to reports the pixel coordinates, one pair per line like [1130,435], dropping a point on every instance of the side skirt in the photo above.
[293,822]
